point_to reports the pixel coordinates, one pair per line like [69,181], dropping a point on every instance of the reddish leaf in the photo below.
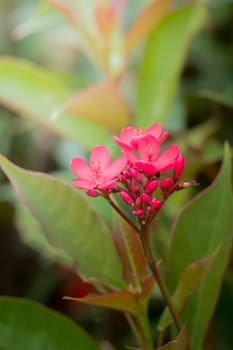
[100,103]
[122,300]
[180,343]
[146,21]
[105,18]
[64,10]
[147,288]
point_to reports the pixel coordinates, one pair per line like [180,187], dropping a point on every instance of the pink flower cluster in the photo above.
[143,177]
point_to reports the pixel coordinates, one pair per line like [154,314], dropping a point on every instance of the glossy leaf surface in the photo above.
[163,61]
[203,226]
[38,94]
[32,234]
[27,325]
[69,223]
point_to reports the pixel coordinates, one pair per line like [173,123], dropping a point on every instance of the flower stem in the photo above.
[163,289]
[134,328]
[143,323]
[118,210]
[139,325]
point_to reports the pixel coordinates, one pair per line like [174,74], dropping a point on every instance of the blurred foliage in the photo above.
[197,113]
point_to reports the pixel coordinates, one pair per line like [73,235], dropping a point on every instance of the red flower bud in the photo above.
[178,167]
[156,205]
[145,198]
[134,187]
[138,201]
[138,212]
[166,184]
[92,193]
[126,197]
[151,186]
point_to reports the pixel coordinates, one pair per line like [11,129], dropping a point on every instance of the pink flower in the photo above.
[130,136]
[150,162]
[100,174]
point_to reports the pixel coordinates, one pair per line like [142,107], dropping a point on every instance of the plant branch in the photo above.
[163,289]
[144,327]
[134,328]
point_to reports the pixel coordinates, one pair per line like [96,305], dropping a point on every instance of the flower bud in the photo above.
[138,212]
[134,187]
[126,197]
[178,167]
[145,198]
[134,173]
[166,184]
[156,205]
[138,201]
[151,186]
[184,185]
[92,193]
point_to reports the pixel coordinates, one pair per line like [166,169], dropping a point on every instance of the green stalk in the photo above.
[143,323]
[134,328]
[163,289]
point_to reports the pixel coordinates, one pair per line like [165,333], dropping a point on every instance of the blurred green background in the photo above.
[200,120]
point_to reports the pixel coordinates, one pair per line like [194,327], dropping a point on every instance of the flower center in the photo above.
[97,172]
[141,131]
[150,154]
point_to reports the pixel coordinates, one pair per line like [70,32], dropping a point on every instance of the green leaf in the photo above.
[223,98]
[180,343]
[189,280]
[38,94]
[203,226]
[27,325]
[163,60]
[32,234]
[69,224]
[199,134]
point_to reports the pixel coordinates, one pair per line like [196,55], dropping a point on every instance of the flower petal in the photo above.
[148,148]
[84,184]
[155,130]
[148,168]
[163,137]
[107,184]
[121,143]
[167,160]
[116,167]
[100,157]
[80,168]
[127,134]
[130,156]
